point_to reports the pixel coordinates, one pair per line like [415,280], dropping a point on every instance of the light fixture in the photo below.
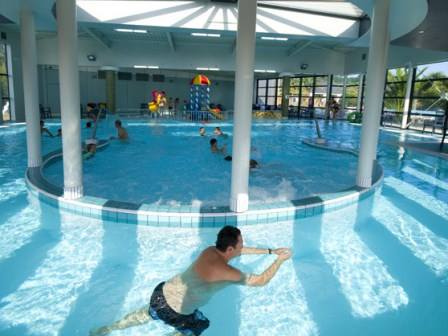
[421,31]
[274,38]
[125,30]
[91,57]
[265,71]
[146,66]
[206,35]
[207,69]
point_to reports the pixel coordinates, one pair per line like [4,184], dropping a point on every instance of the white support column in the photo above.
[69,92]
[376,68]
[344,94]
[407,98]
[30,87]
[1,105]
[327,104]
[244,81]
[359,101]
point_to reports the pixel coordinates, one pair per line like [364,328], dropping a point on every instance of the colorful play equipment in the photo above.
[158,103]
[199,106]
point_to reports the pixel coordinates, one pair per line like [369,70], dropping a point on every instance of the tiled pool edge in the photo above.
[189,216]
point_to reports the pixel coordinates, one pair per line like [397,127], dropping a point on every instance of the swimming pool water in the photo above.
[168,163]
[378,267]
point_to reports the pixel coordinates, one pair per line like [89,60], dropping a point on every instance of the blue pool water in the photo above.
[170,163]
[379,267]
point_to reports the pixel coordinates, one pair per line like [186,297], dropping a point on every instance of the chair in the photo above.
[45,112]
[438,123]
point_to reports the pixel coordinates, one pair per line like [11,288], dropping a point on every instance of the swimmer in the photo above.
[218,131]
[202,131]
[176,301]
[214,147]
[252,163]
[90,149]
[88,124]
[122,134]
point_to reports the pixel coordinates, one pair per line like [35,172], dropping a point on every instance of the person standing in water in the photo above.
[176,301]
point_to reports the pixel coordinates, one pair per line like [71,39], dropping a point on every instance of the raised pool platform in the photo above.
[195,216]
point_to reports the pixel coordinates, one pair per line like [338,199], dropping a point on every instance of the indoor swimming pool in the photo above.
[376,267]
[169,163]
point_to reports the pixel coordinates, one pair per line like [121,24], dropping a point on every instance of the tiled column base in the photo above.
[72,193]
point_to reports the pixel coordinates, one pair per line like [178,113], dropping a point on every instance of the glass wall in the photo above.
[427,106]
[308,94]
[269,93]
[394,96]
[351,92]
[4,84]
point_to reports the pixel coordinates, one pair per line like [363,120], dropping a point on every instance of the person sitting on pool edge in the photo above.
[214,147]
[177,300]
[122,134]
[202,131]
[45,130]
[252,163]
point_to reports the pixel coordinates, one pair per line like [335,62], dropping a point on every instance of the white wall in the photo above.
[188,57]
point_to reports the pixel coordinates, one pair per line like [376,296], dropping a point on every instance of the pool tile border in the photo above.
[189,216]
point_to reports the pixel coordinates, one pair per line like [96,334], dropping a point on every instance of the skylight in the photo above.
[292,18]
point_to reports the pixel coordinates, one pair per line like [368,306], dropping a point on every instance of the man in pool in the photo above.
[122,134]
[177,300]
[219,132]
[252,163]
[202,131]
[214,147]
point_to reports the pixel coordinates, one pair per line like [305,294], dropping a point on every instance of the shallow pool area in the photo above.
[376,267]
[169,163]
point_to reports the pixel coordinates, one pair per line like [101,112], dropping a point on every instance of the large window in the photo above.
[308,95]
[5,101]
[305,93]
[351,92]
[394,96]
[427,107]
[269,93]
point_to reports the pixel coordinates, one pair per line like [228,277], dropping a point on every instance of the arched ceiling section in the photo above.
[405,15]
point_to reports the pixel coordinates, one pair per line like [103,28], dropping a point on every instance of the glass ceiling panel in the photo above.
[216,16]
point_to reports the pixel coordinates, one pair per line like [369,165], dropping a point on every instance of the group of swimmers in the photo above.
[91,143]
[214,148]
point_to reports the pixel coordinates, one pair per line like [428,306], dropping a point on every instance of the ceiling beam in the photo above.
[327,48]
[171,41]
[309,11]
[99,37]
[298,47]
